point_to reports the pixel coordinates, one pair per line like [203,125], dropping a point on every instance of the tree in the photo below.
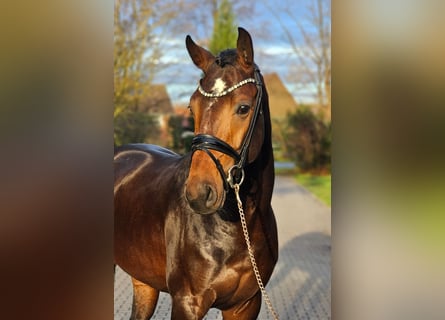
[198,18]
[312,47]
[137,28]
[224,28]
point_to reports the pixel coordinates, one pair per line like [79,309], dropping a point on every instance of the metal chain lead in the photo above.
[251,255]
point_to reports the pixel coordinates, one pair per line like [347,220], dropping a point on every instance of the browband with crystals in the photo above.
[223,93]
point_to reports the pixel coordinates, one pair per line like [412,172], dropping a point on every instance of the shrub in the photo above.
[135,127]
[181,133]
[308,140]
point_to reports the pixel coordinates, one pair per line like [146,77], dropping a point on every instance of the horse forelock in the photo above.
[223,73]
[226,57]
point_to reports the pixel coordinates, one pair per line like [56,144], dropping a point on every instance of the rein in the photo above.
[235,175]
[206,142]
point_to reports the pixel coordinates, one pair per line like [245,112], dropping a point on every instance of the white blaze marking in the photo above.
[219,86]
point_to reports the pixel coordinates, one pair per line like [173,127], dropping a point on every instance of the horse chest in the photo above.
[208,253]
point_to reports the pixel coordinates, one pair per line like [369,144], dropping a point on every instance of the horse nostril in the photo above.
[211,196]
[203,198]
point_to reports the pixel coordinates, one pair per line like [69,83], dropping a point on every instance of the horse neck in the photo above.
[262,169]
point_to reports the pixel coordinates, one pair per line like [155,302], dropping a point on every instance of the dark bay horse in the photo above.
[177,224]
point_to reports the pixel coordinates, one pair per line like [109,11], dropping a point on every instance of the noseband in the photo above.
[206,142]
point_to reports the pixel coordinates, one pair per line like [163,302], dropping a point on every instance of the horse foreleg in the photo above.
[247,310]
[144,300]
[188,307]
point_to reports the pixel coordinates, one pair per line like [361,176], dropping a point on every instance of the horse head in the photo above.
[229,122]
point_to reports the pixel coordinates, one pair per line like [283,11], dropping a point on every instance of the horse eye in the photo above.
[190,109]
[243,109]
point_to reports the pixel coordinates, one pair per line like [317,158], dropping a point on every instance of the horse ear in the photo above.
[244,48]
[200,56]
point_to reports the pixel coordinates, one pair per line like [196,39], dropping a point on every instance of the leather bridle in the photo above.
[207,142]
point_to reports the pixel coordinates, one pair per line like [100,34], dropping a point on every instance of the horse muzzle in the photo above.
[203,197]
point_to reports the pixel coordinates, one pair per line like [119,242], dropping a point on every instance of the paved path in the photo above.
[300,287]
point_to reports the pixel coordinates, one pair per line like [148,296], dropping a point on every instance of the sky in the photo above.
[273,52]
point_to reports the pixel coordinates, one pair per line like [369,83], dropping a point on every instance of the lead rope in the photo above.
[236,187]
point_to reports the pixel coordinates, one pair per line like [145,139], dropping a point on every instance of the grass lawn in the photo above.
[320,186]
